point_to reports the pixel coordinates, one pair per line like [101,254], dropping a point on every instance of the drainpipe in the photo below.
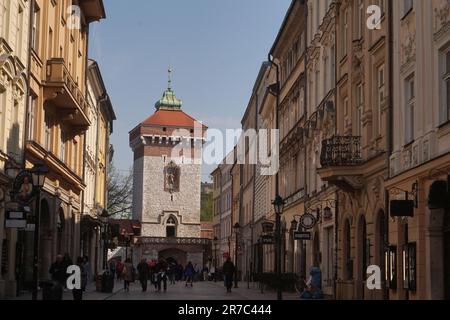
[390,125]
[336,218]
[27,102]
[252,225]
[277,187]
[21,234]
[303,243]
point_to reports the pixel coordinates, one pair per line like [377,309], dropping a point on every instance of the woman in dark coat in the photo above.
[228,271]
[144,273]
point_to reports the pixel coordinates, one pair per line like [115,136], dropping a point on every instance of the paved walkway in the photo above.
[200,291]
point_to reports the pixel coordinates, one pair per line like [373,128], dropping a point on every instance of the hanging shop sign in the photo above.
[302,235]
[402,208]
[308,221]
[15,219]
[268,239]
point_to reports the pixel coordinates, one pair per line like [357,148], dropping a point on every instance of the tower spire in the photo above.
[170,71]
[169,101]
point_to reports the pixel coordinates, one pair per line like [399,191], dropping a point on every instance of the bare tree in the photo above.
[120,193]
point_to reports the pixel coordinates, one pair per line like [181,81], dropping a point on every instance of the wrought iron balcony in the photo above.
[341,151]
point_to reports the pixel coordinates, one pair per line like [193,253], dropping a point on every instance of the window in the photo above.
[391,267]
[348,262]
[329,263]
[13,140]
[35,27]
[2,19]
[333,66]
[302,101]
[360,14]
[316,87]
[75,156]
[381,97]
[31,115]
[325,74]
[409,112]
[19,33]
[50,43]
[47,133]
[407,6]
[382,6]
[347,116]
[359,109]
[409,266]
[445,85]
[345,33]
[62,146]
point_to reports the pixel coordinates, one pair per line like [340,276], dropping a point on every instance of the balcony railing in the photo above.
[341,151]
[65,92]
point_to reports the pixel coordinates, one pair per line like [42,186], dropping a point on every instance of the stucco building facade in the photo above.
[14,53]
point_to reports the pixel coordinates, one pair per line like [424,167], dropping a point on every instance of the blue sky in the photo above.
[215,48]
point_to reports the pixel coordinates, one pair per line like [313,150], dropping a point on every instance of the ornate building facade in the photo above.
[57,122]
[167,147]
[354,157]
[97,159]
[14,53]
[420,155]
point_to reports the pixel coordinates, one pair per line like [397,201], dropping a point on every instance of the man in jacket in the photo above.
[144,272]
[228,271]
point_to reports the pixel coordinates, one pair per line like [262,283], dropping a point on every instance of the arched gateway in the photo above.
[167,182]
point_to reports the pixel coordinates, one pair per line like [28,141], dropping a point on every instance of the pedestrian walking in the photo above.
[144,272]
[205,273]
[58,271]
[112,268]
[119,268]
[78,293]
[87,271]
[161,271]
[189,273]
[67,261]
[127,274]
[171,273]
[212,273]
[228,271]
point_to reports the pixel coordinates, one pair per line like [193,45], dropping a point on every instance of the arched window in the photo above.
[348,262]
[60,226]
[381,240]
[171,227]
[364,249]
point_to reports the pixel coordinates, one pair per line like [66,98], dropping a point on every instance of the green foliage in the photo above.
[207,207]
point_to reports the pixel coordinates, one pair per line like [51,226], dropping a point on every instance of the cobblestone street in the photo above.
[200,291]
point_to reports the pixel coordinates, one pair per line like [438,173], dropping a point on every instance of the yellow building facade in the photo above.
[57,121]
[14,52]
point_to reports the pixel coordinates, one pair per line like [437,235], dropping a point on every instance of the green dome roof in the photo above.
[169,101]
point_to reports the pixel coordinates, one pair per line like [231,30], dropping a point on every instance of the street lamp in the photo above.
[215,243]
[237,229]
[104,218]
[278,205]
[38,174]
